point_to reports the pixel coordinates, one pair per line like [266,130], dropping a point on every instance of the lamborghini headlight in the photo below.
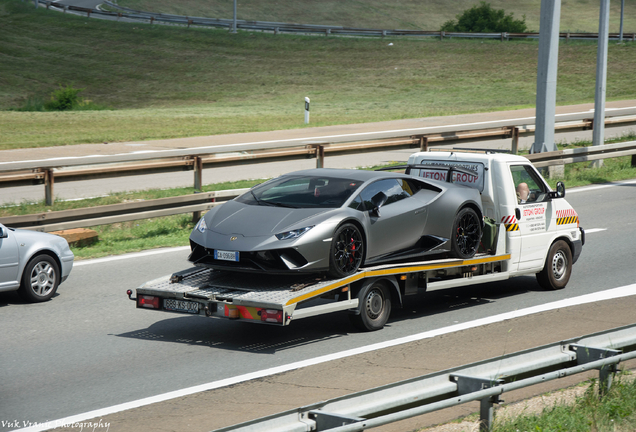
[293,233]
[201,225]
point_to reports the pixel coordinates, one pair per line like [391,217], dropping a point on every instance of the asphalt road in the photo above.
[89,348]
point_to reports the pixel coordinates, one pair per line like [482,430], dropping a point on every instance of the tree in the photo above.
[483,18]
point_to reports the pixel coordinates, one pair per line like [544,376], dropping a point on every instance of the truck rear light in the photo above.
[272,315]
[150,302]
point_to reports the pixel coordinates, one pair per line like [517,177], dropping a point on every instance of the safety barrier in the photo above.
[483,381]
[94,167]
[200,202]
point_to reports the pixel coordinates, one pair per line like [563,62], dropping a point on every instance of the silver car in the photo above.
[33,263]
[335,221]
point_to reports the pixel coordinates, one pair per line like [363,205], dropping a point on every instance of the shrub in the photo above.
[64,98]
[483,18]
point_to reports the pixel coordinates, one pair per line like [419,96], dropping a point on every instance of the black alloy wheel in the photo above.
[347,251]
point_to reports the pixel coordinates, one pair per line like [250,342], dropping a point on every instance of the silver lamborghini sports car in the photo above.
[336,220]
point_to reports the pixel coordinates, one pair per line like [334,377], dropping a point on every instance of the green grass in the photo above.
[576,15]
[616,412]
[166,82]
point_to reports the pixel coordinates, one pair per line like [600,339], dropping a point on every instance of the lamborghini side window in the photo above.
[394,189]
[357,204]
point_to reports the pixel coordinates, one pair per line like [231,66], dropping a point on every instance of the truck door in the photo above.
[533,207]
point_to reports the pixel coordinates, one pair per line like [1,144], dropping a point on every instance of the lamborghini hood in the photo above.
[258,220]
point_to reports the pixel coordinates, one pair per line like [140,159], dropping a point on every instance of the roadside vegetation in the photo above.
[615,412]
[168,82]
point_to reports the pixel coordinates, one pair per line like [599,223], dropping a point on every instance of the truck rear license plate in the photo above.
[226,255]
[181,306]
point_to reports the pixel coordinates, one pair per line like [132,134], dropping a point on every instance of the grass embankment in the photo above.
[166,82]
[576,16]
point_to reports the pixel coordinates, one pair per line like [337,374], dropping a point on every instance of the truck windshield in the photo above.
[302,192]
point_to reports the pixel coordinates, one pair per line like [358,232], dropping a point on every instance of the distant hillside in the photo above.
[576,15]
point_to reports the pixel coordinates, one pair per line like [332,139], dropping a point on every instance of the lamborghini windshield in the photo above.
[302,192]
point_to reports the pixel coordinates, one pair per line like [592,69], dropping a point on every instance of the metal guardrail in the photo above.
[484,381]
[280,27]
[49,172]
[197,203]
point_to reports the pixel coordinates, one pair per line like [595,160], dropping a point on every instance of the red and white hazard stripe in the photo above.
[566,213]
[509,219]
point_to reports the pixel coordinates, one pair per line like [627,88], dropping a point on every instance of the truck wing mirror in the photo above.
[3,232]
[560,191]
[378,201]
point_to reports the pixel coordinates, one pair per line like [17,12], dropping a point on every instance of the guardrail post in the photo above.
[514,131]
[198,173]
[633,161]
[441,35]
[320,156]
[49,182]
[152,19]
[423,143]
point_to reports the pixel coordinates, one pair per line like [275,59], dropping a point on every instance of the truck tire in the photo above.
[557,268]
[375,307]
[347,251]
[40,279]
[466,234]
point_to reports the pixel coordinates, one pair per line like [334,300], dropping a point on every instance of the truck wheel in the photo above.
[557,268]
[375,307]
[347,251]
[466,234]
[40,279]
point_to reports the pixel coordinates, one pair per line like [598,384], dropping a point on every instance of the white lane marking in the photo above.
[595,187]
[130,256]
[409,130]
[595,230]
[625,291]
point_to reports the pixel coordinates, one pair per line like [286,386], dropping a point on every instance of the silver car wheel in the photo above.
[40,279]
[43,278]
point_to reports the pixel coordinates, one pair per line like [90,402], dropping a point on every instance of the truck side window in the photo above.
[528,187]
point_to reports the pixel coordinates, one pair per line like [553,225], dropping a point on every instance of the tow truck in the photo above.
[529,229]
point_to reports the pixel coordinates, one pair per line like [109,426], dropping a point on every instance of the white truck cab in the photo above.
[542,229]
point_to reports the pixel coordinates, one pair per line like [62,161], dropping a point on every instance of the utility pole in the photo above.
[234,26]
[598,133]
[620,36]
[547,76]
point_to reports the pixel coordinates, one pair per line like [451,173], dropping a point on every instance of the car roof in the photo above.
[353,174]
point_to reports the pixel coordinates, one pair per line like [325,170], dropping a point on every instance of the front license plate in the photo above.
[226,255]
[181,306]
